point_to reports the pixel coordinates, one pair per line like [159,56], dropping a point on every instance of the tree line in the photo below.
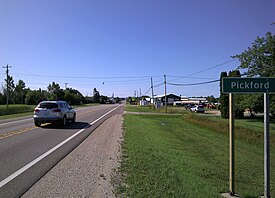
[20,94]
[256,61]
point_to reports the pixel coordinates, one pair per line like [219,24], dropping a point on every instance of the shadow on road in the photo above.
[76,125]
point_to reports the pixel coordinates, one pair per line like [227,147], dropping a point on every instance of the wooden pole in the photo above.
[231,145]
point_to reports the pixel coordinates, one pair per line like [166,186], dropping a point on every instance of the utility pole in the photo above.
[7,71]
[165,93]
[152,87]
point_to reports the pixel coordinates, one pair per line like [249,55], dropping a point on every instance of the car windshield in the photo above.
[48,105]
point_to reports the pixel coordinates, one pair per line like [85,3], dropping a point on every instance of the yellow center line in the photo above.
[20,131]
[16,132]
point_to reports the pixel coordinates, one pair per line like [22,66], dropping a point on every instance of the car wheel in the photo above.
[74,119]
[37,124]
[63,122]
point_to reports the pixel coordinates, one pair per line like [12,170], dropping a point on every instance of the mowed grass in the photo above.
[138,108]
[166,156]
[15,109]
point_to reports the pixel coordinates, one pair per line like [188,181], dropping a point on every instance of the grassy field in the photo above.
[174,156]
[137,108]
[15,109]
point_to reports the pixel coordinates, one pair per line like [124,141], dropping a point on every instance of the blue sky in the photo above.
[118,45]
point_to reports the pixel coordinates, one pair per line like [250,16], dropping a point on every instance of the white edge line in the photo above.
[26,167]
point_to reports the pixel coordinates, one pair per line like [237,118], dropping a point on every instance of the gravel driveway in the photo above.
[86,171]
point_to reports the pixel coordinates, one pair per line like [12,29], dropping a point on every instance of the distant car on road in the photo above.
[53,112]
[198,109]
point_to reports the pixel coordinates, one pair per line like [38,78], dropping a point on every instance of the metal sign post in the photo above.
[266,147]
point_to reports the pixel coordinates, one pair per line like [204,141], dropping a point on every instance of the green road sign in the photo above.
[248,85]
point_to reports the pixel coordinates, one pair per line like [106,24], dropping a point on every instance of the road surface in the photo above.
[27,152]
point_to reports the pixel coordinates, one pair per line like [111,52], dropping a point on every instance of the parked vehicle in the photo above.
[53,112]
[197,109]
[188,107]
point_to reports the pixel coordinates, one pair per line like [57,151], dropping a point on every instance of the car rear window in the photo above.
[48,105]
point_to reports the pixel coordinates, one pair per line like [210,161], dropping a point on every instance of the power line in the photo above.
[211,67]
[147,91]
[192,84]
[87,77]
[202,78]
[158,85]
[126,81]
[206,69]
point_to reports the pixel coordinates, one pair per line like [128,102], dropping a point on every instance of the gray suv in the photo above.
[53,112]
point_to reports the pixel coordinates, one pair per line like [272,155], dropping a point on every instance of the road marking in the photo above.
[23,169]
[16,132]
[20,131]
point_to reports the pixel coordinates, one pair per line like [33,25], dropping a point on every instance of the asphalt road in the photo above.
[28,152]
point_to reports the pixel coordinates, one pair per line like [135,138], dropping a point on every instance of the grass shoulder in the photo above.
[152,109]
[184,156]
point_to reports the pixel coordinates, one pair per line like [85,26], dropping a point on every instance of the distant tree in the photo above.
[88,100]
[259,59]
[56,93]
[211,99]
[2,99]
[239,110]
[117,99]
[20,92]
[33,97]
[252,102]
[103,99]
[10,87]
[96,96]
[73,97]
[54,87]
[224,99]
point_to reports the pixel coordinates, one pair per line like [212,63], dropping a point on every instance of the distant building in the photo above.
[198,100]
[190,100]
[170,98]
[144,103]
[176,100]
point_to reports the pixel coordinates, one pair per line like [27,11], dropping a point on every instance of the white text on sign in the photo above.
[249,85]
